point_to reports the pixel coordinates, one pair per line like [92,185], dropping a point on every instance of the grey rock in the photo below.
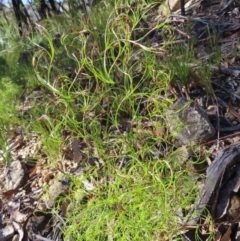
[60,185]
[15,175]
[189,123]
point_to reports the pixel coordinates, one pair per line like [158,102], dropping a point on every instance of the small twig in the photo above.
[222,138]
[36,236]
[230,128]
[186,238]
[226,6]
[178,21]
[182,33]
[218,121]
[232,111]
[190,18]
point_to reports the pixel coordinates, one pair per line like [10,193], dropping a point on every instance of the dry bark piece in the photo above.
[223,161]
[226,201]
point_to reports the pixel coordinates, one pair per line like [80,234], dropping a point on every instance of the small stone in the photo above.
[233,210]
[40,182]
[234,123]
[48,177]
[44,172]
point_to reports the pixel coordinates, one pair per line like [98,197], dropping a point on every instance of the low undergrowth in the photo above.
[138,202]
[104,85]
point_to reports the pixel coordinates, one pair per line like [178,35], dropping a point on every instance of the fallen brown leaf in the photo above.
[226,236]
[8,194]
